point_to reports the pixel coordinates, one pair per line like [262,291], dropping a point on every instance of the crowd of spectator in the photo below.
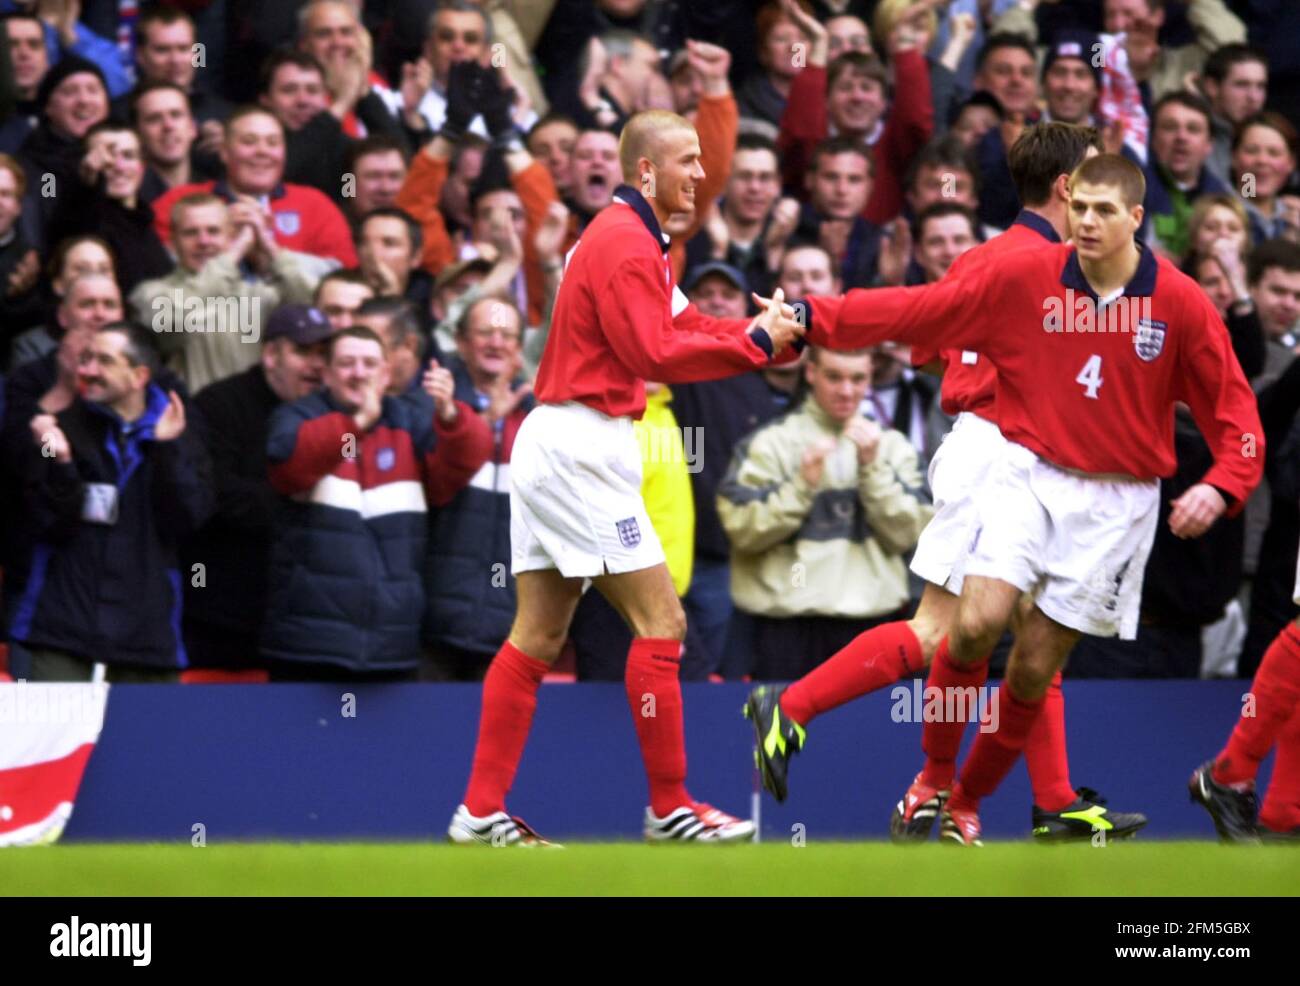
[275,279]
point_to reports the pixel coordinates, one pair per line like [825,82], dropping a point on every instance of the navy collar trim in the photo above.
[631,197]
[221,189]
[1141,285]
[1038,224]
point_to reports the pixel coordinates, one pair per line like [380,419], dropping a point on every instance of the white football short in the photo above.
[1078,544]
[962,464]
[575,495]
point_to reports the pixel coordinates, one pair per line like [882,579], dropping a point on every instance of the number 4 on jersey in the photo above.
[1090,377]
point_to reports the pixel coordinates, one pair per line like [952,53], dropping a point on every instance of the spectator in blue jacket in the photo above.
[114,481]
[355,466]
[471,594]
[66,34]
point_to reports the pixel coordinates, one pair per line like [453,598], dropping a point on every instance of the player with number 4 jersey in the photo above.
[1041,162]
[1093,346]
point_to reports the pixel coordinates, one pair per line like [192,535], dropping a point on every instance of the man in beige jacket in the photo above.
[208,314]
[820,506]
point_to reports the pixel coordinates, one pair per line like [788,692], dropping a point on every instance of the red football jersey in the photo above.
[969,382]
[303,218]
[620,320]
[1096,401]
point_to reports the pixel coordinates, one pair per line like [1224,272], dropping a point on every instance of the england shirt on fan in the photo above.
[303,219]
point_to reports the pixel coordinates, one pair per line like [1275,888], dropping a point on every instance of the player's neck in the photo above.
[1056,213]
[1106,275]
[662,214]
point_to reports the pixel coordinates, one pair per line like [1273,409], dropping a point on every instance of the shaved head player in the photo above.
[576,511]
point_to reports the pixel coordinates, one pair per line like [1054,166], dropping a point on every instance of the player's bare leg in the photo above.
[648,603]
[983,615]
[1039,652]
[545,601]
[933,617]
[544,604]
[960,667]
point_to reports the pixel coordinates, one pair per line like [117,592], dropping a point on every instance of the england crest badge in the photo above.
[288,223]
[629,533]
[1149,338]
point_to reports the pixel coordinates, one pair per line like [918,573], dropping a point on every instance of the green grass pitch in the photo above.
[871,868]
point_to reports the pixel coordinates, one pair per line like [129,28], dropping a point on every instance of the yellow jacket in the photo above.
[666,485]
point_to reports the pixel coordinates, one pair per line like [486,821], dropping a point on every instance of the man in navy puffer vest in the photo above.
[359,469]
[471,594]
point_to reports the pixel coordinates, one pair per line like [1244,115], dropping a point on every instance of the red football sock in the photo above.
[655,697]
[1045,756]
[1276,689]
[509,698]
[941,741]
[1281,808]
[873,659]
[994,753]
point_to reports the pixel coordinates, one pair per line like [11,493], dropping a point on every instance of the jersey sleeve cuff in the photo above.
[1233,504]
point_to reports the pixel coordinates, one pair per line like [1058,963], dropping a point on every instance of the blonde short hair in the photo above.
[641,136]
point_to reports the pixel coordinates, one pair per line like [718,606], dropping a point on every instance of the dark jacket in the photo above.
[18,125]
[110,592]
[1272,605]
[861,261]
[467,581]
[51,162]
[232,418]
[315,155]
[752,262]
[1190,580]
[714,417]
[348,549]
[18,311]
[758,99]
[137,250]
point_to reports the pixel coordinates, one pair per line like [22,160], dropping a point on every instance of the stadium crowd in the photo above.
[276,279]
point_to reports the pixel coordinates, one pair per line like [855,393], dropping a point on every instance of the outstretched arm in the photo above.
[678,344]
[943,315]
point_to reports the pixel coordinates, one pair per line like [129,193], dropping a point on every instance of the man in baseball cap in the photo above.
[223,616]
[718,289]
[1072,76]
[301,324]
